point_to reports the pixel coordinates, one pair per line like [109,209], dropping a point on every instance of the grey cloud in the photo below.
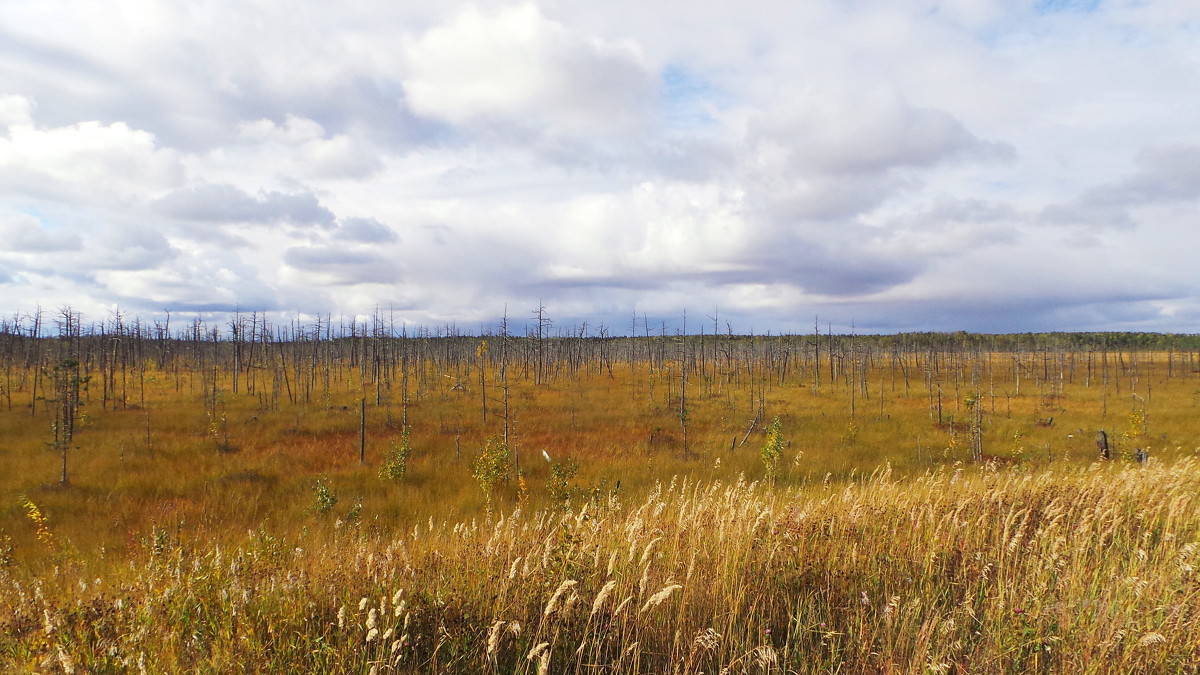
[1029,313]
[787,199]
[1165,174]
[955,210]
[1090,211]
[132,248]
[914,138]
[873,135]
[214,280]
[949,226]
[831,269]
[226,203]
[838,158]
[549,286]
[345,266]
[193,93]
[364,230]
[30,236]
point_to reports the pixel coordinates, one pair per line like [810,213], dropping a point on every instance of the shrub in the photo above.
[772,450]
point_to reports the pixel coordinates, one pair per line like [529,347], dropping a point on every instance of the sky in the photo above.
[874,165]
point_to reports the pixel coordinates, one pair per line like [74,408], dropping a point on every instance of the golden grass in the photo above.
[191,536]
[958,570]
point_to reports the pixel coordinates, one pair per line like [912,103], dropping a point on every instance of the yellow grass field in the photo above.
[925,504]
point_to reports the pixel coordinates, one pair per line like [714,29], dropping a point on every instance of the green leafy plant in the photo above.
[354,515]
[559,485]
[323,498]
[395,464]
[491,467]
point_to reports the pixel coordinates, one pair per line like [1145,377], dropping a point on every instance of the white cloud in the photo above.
[23,233]
[892,162]
[516,68]
[15,110]
[86,158]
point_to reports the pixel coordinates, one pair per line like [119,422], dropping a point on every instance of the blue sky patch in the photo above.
[684,94]
[1061,6]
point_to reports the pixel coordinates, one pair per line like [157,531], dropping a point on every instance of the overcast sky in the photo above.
[984,165]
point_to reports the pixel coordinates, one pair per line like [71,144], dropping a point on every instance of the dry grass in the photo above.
[194,540]
[961,570]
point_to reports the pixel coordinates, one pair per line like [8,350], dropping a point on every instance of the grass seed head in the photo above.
[659,597]
[553,602]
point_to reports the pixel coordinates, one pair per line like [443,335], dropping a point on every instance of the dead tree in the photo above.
[1102,445]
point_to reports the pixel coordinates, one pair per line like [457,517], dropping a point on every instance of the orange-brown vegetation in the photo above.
[215,489]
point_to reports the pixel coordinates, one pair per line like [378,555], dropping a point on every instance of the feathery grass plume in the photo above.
[707,640]
[553,602]
[621,605]
[644,580]
[570,602]
[1151,639]
[766,657]
[65,661]
[605,591]
[659,597]
[493,641]
[537,651]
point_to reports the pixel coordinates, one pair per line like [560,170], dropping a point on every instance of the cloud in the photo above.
[364,230]
[83,162]
[1165,174]
[15,110]
[844,134]
[898,164]
[131,247]
[24,233]
[516,69]
[338,266]
[203,282]
[229,204]
[302,144]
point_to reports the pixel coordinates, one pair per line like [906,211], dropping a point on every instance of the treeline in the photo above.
[298,359]
[52,364]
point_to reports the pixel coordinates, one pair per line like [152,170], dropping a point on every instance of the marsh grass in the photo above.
[211,557]
[958,570]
